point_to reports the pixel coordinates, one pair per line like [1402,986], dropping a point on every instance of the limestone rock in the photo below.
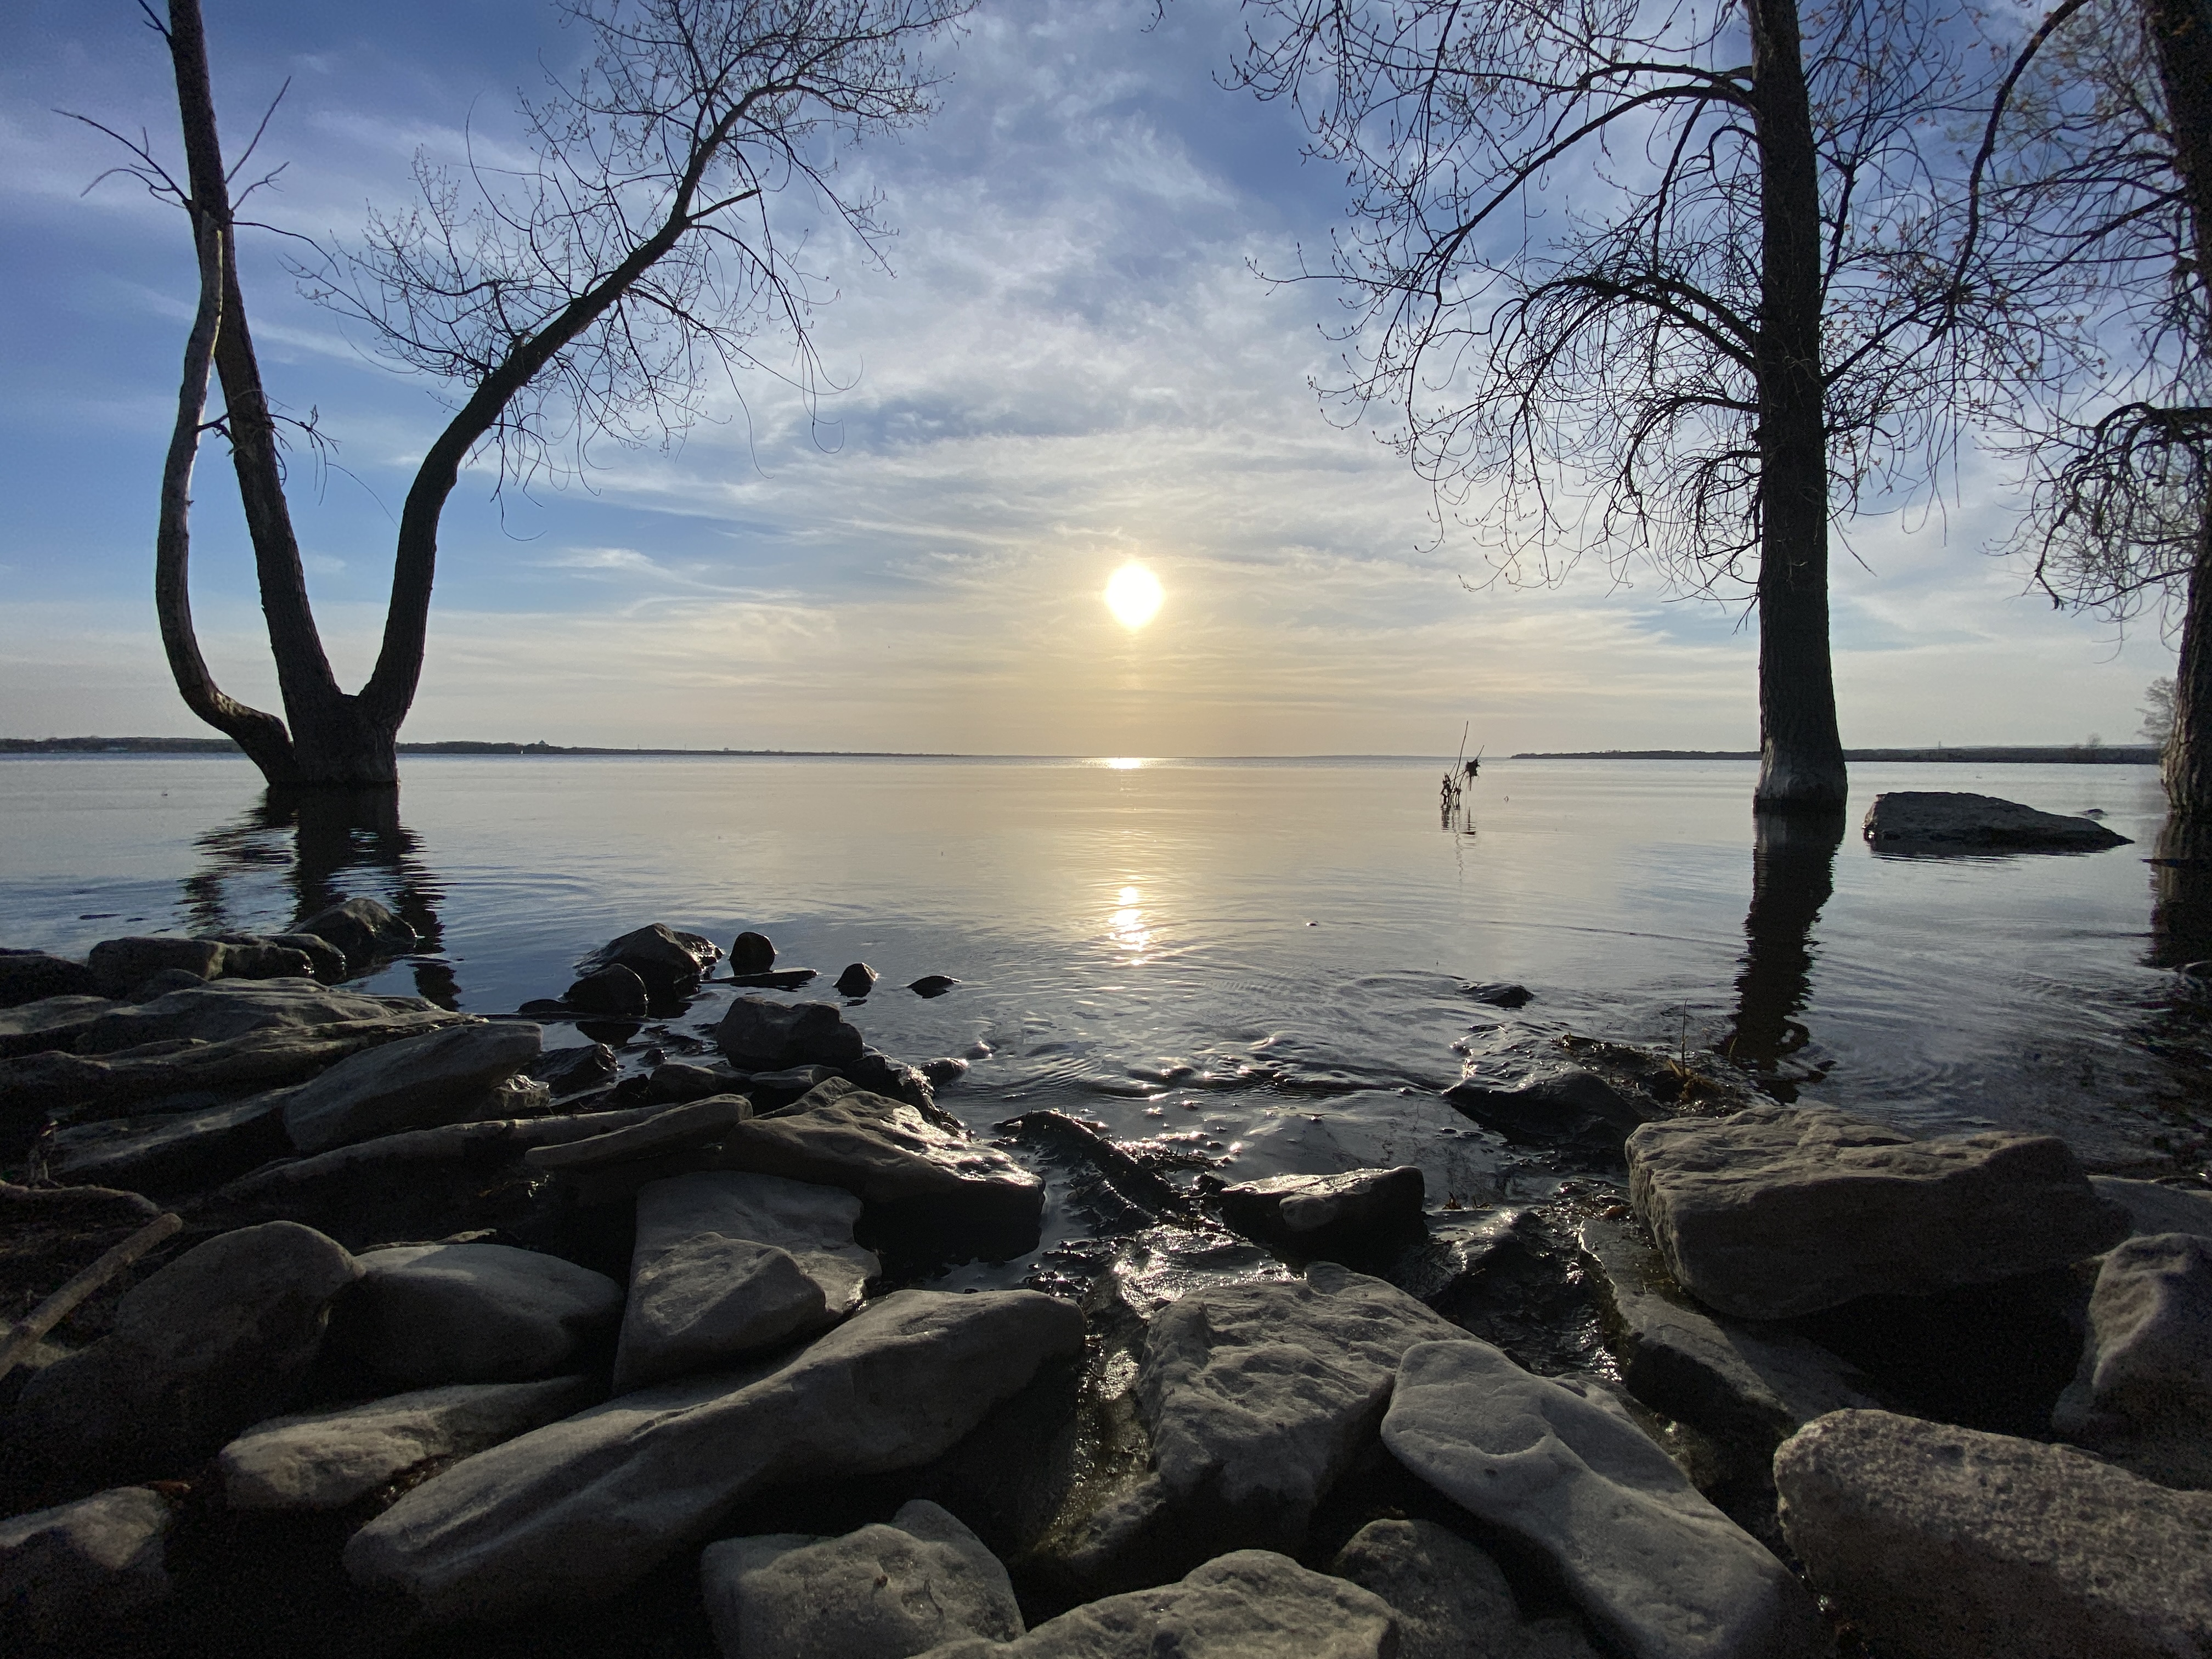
[579,1508]
[1557,1104]
[761,1035]
[1947,1543]
[327,1460]
[1780,1211]
[231,1008]
[1355,1214]
[2155,1207]
[66,1571]
[669,961]
[2144,1392]
[218,1338]
[173,1152]
[883,1592]
[1451,1600]
[120,963]
[728,1264]
[31,1027]
[325,960]
[658,1130]
[364,928]
[1252,1604]
[1560,1466]
[1258,1395]
[429,1314]
[677,1081]
[418,1083]
[857,981]
[33,977]
[1934,820]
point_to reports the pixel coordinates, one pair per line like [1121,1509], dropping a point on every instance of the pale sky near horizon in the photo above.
[1070,365]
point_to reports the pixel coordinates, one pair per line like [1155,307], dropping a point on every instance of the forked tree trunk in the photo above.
[1801,754]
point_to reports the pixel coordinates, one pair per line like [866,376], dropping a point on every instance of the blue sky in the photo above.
[1070,364]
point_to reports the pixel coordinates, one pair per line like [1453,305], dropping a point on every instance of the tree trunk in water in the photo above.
[1801,753]
[1793,872]
[2187,763]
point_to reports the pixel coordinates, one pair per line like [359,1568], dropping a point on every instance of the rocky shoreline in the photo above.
[378,1329]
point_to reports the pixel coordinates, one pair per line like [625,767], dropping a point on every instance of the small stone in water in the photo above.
[751,953]
[857,981]
[929,985]
[942,1072]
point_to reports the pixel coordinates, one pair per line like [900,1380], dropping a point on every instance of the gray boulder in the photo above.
[1355,1214]
[120,963]
[1451,1600]
[883,1592]
[217,1339]
[573,1071]
[1932,820]
[1560,1466]
[2143,1396]
[655,1132]
[231,1008]
[31,1027]
[1780,1211]
[33,977]
[327,1460]
[668,961]
[324,959]
[1947,1543]
[429,1314]
[580,1509]
[751,953]
[857,981]
[2155,1207]
[418,1083]
[677,1081]
[364,928]
[1257,1396]
[1250,1605]
[614,992]
[760,1035]
[67,1571]
[728,1264]
[1555,1105]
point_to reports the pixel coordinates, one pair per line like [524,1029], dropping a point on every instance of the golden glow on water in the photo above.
[1126,925]
[1133,596]
[1124,762]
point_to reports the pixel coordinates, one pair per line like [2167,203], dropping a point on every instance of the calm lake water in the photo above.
[1260,961]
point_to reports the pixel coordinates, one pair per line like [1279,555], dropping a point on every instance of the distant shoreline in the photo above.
[2078,753]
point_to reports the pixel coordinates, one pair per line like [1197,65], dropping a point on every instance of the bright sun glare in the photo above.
[1133,596]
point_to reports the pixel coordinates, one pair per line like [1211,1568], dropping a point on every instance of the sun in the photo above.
[1133,596]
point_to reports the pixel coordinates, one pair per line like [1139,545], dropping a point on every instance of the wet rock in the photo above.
[1759,1385]
[327,1460]
[1558,1106]
[233,1008]
[580,1509]
[2153,1207]
[728,1265]
[1947,1543]
[325,960]
[159,984]
[69,1572]
[781,1088]
[1257,1396]
[120,963]
[174,1151]
[883,1592]
[944,1071]
[751,953]
[1501,995]
[1780,1211]
[1948,821]
[417,1083]
[651,1134]
[678,1081]
[613,993]
[1357,1215]
[1560,1466]
[574,1071]
[1451,1600]
[857,981]
[1513,1277]
[246,956]
[669,961]
[1133,1184]
[761,1035]
[218,1338]
[31,1027]
[33,977]
[880,1074]
[932,985]
[775,979]
[2143,1396]
[1248,1605]
[425,1315]
[364,928]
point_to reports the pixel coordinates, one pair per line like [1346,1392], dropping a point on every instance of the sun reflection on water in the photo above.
[1126,925]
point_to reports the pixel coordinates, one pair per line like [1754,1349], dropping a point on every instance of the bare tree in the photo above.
[591,294]
[1665,281]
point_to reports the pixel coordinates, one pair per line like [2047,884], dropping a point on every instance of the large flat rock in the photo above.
[429,1314]
[1780,1211]
[1934,820]
[172,1152]
[2143,1396]
[66,1571]
[761,1034]
[1257,1396]
[579,1510]
[1451,1600]
[728,1264]
[2155,1207]
[885,1592]
[419,1083]
[1560,1467]
[32,1027]
[230,1008]
[1947,1543]
[327,1460]
[1354,1216]
[1252,1604]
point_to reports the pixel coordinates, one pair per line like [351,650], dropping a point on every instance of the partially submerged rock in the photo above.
[1451,1600]
[669,961]
[366,929]
[1565,1104]
[1934,820]
[1559,1465]
[883,1592]
[2143,1396]
[751,953]
[1780,1211]
[68,1572]
[1947,1543]
[118,964]
[573,1071]
[579,1510]
[1355,1214]
[419,1083]
[857,981]
[761,1035]
[429,1314]
[614,992]
[231,1008]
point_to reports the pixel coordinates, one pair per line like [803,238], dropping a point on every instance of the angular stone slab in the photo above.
[324,959]
[1259,1395]
[32,1027]
[663,1129]
[364,928]
[67,1571]
[417,1083]
[883,1592]
[216,1340]
[1936,820]
[1780,1211]
[2143,1396]
[2155,1207]
[429,1314]
[759,1034]
[728,1264]
[1252,1604]
[1947,1543]
[580,1509]
[231,1008]
[1451,1600]
[1558,1465]
[33,977]
[1356,1212]
[327,1460]
[173,1152]
[120,963]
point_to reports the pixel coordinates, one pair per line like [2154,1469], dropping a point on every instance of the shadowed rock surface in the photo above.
[1451,1600]
[1932,820]
[67,1572]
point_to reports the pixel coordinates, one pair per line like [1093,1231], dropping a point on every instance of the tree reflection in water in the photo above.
[1792,872]
[326,846]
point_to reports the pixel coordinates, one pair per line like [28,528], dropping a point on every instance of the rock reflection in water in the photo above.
[321,843]
[1793,872]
